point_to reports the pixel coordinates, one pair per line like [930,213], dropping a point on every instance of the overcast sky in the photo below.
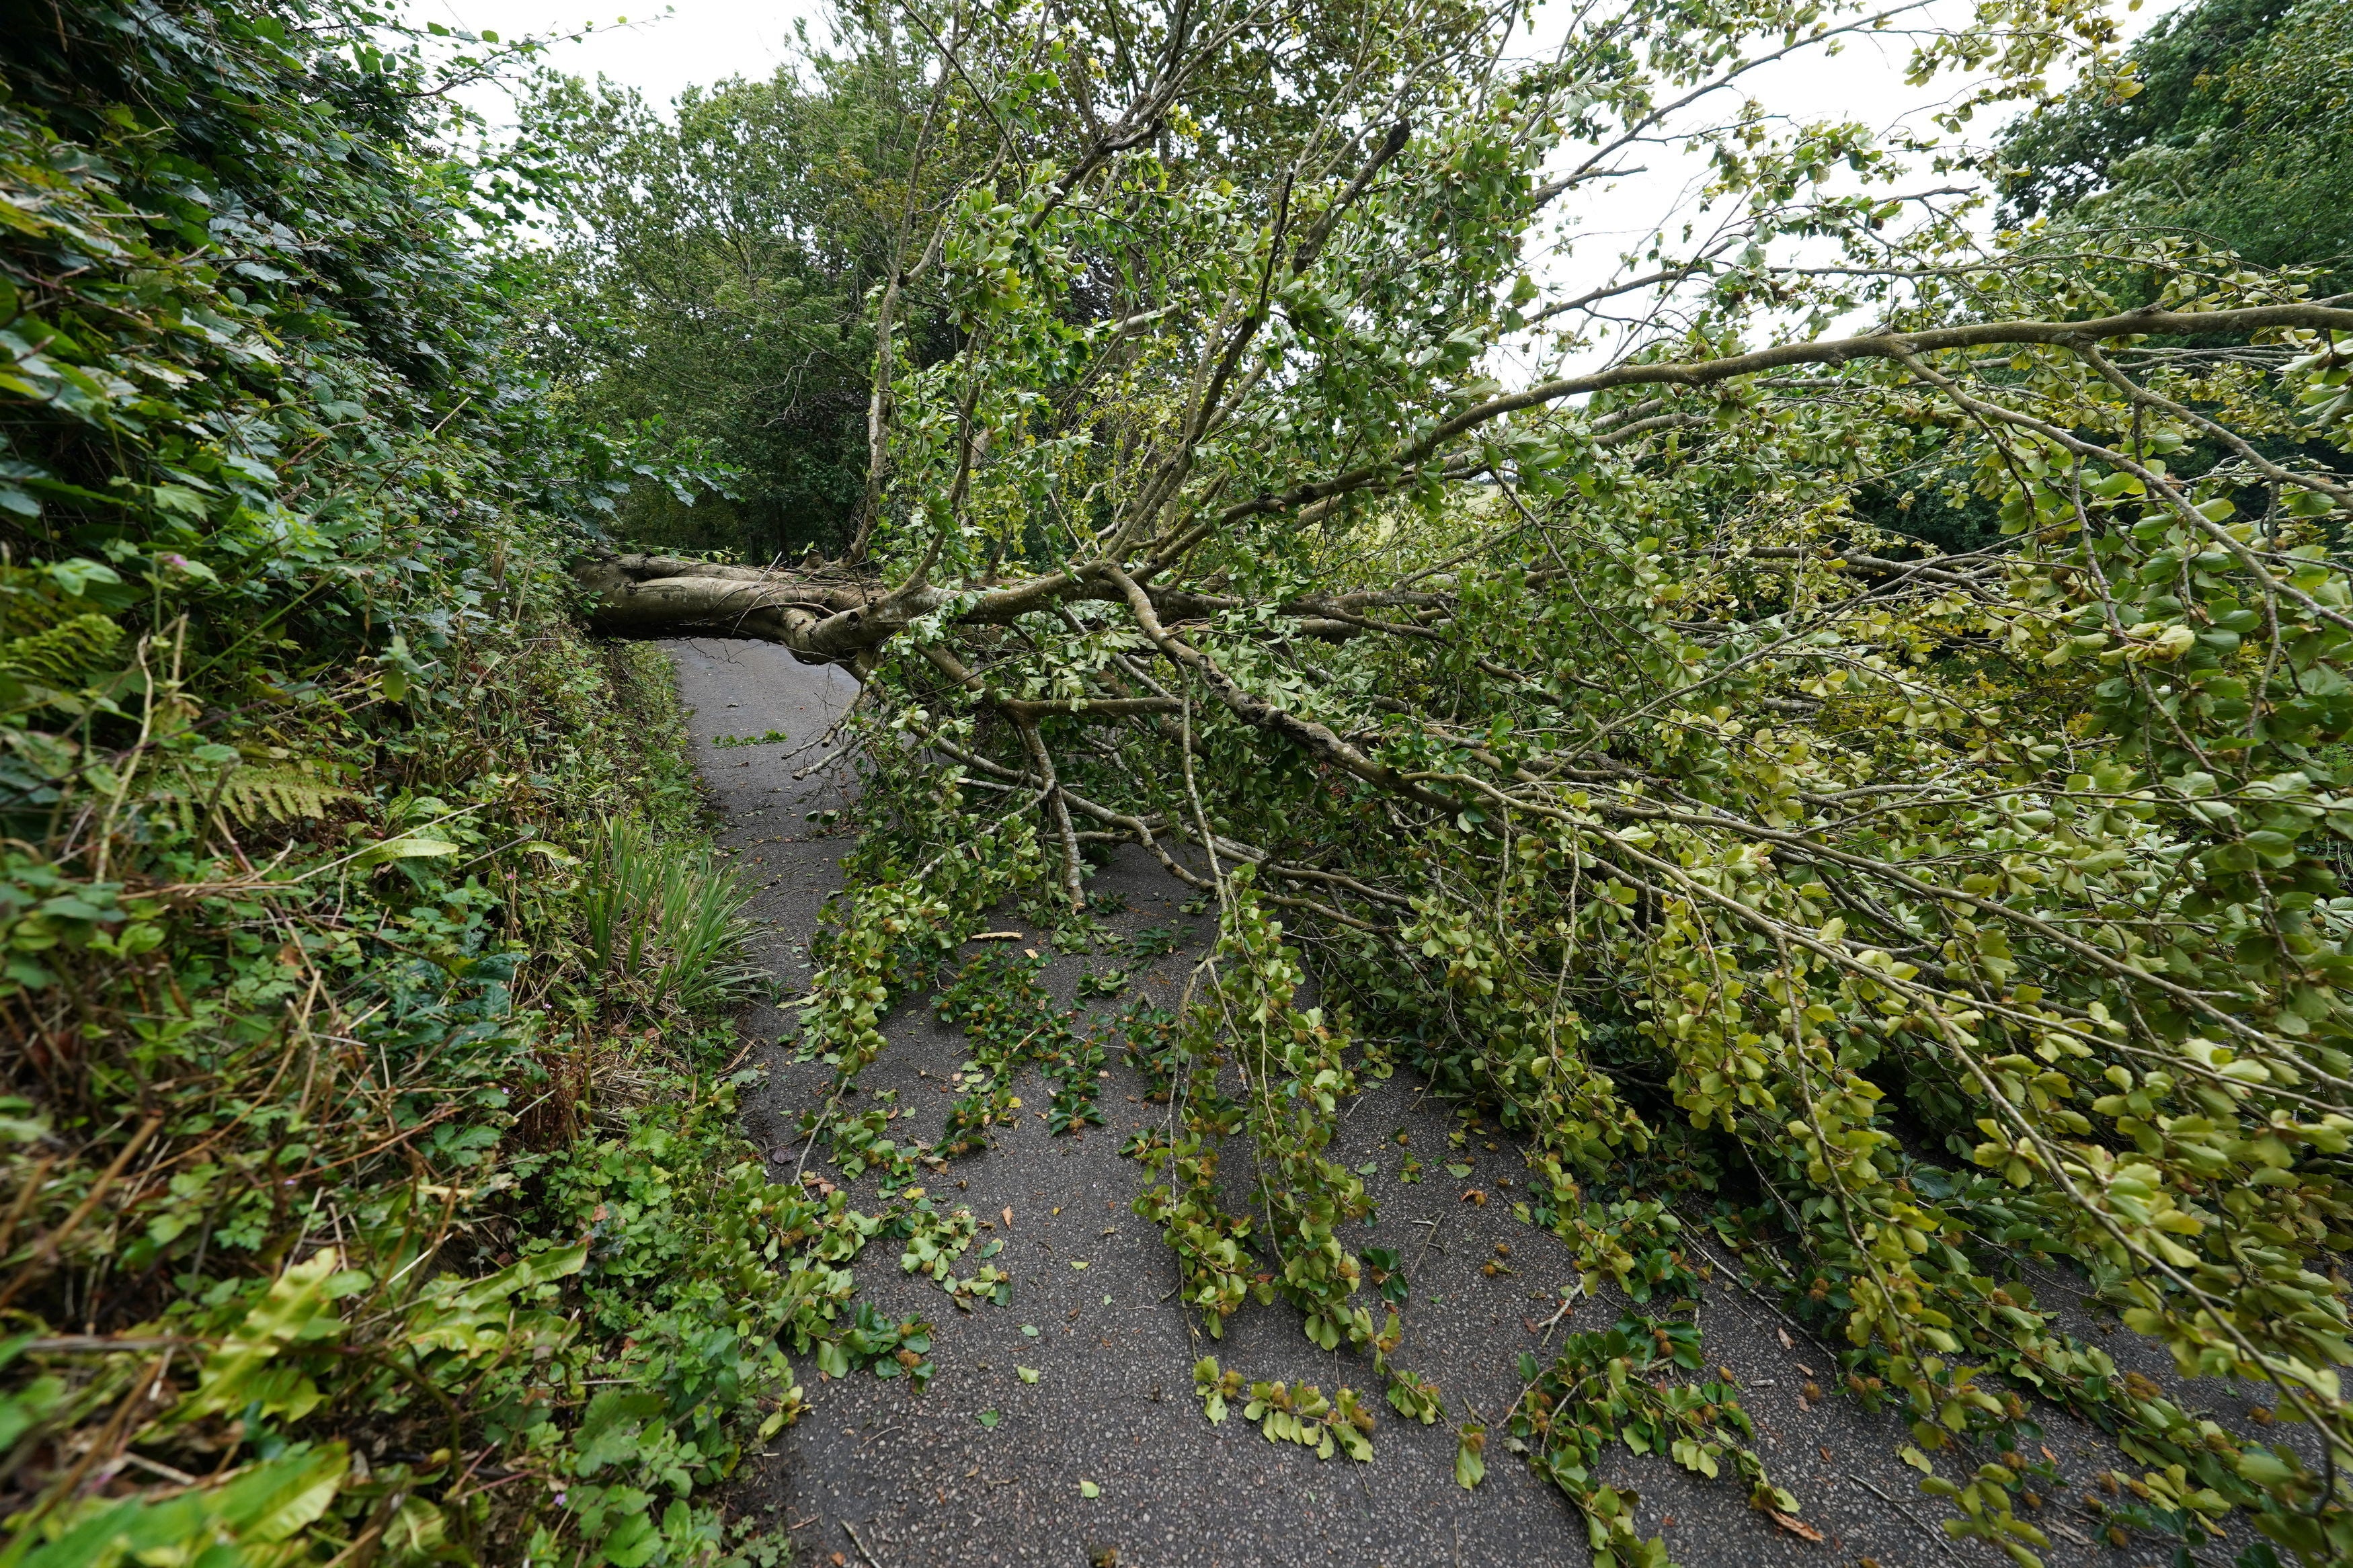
[697,42]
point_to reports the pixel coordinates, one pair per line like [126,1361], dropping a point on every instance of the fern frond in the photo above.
[30,602]
[252,793]
[64,654]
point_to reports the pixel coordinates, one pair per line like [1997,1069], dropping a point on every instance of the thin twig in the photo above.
[1939,1536]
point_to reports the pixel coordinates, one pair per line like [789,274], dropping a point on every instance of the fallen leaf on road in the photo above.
[1029,1329]
[1787,1343]
[1078,1263]
[1008,1219]
[1796,1527]
[989,1418]
[1087,1488]
[1028,1374]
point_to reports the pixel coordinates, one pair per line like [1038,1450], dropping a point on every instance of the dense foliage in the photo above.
[348,1212]
[713,266]
[1554,684]
[1835,735]
[2240,130]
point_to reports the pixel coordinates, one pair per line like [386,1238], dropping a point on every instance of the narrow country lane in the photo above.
[877,1472]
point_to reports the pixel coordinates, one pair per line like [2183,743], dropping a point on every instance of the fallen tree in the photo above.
[1619,748]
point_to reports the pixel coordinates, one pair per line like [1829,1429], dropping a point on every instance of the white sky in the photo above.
[665,49]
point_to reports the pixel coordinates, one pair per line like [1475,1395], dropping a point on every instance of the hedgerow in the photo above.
[348,1210]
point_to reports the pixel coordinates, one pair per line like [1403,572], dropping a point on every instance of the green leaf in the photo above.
[632,1542]
[265,1503]
[1470,1467]
[414,846]
[609,1430]
[296,1310]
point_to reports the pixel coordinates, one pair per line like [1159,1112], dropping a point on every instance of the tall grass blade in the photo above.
[665,927]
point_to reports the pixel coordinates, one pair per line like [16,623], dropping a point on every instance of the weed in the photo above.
[665,925]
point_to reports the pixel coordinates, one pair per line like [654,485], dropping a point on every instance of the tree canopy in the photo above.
[2240,130]
[710,272]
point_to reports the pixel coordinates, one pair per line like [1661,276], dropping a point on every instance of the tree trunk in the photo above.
[823,614]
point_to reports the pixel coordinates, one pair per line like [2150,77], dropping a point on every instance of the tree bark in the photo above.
[837,615]
[822,615]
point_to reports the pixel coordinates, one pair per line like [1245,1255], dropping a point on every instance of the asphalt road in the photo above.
[879,1473]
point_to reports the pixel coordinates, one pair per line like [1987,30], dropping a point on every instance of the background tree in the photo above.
[712,277]
[719,269]
[2241,132]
